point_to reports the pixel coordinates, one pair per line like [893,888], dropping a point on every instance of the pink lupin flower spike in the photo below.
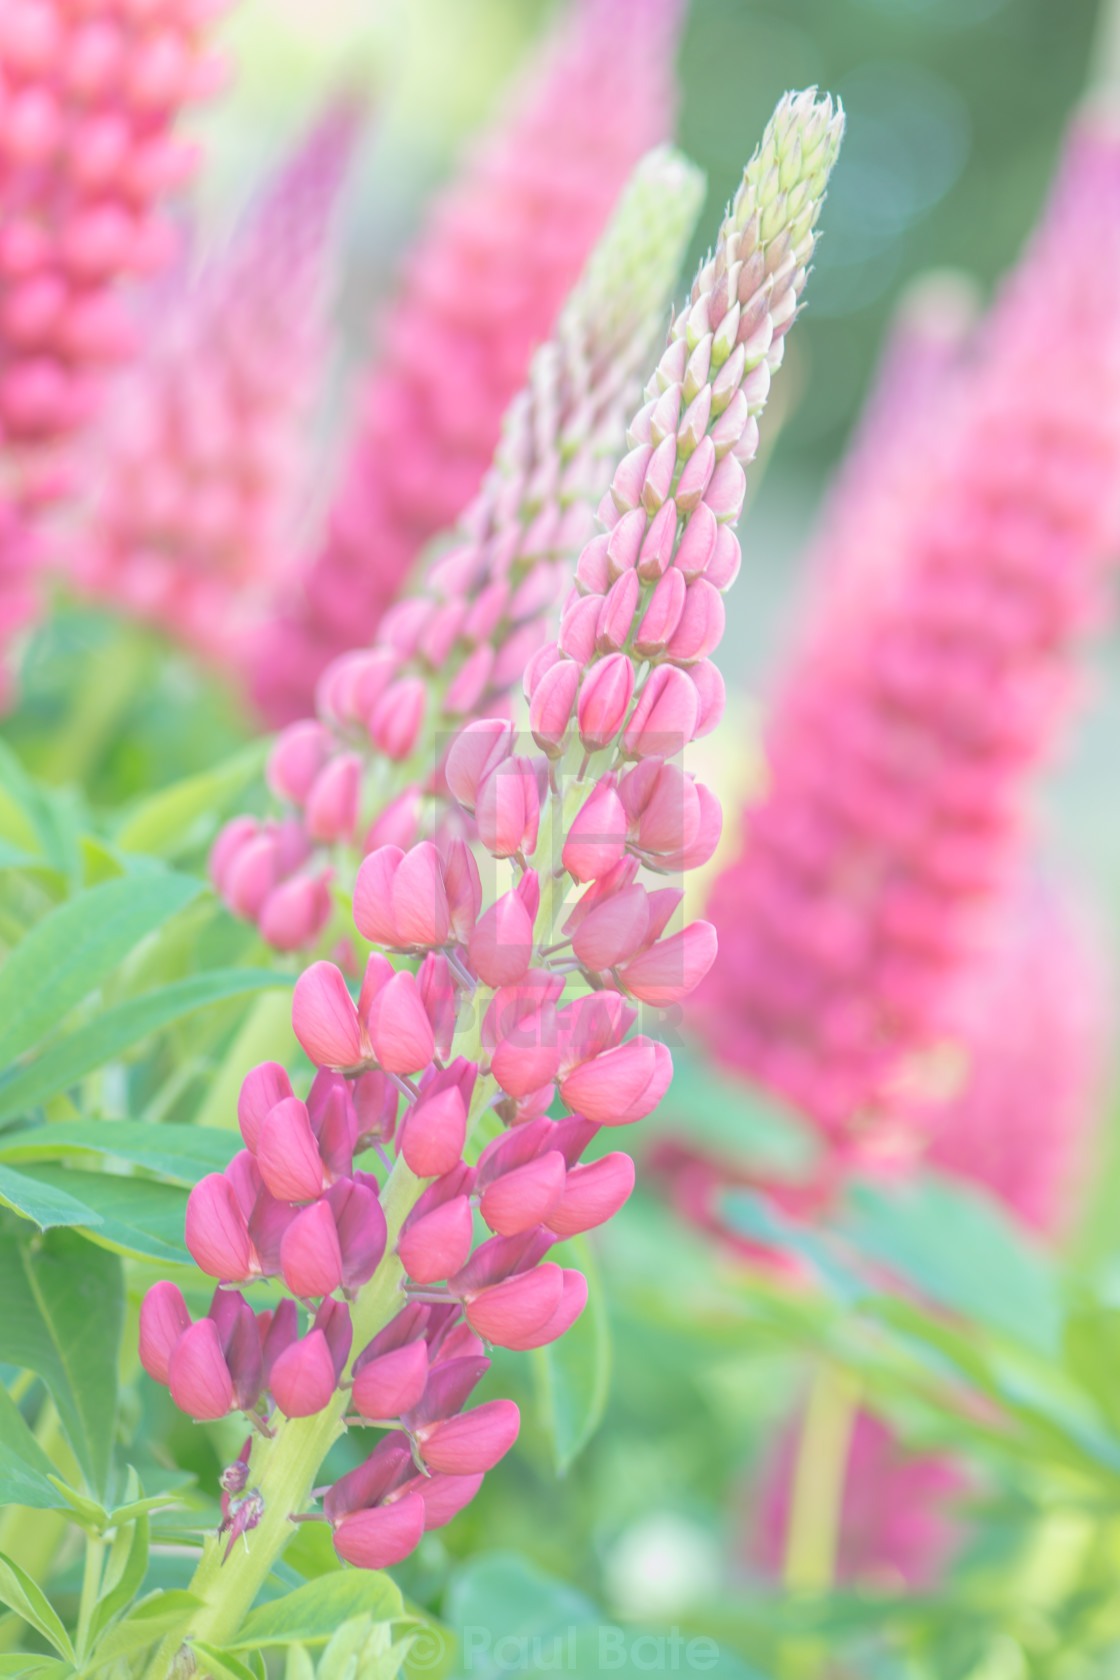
[493,980]
[196,485]
[91,98]
[483,286]
[446,655]
[903,747]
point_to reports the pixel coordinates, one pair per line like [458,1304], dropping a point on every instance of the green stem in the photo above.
[91,1587]
[816,1502]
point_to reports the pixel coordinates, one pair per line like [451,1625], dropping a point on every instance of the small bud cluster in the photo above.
[197,480]
[456,649]
[502,250]
[90,97]
[484,1018]
[902,750]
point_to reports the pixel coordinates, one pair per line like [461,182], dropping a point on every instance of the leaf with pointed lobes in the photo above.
[475,752]
[334,1121]
[288,1154]
[378,1538]
[621,1085]
[593,1193]
[596,839]
[501,945]
[262,1088]
[360,1224]
[393,1382]
[473,1441]
[217,1232]
[324,1018]
[673,968]
[572,1302]
[400,1032]
[198,1375]
[508,808]
[310,1256]
[241,1344]
[163,1319]
[524,1196]
[528,1055]
[516,1307]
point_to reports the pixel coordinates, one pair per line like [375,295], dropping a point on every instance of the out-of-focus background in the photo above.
[955,111]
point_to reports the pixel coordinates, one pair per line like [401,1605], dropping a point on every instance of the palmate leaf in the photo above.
[119,1028]
[63,1313]
[75,948]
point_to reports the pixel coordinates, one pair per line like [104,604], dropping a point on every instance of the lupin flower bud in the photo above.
[324,1018]
[163,1320]
[305,1375]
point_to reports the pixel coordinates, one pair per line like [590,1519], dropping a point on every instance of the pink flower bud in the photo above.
[466,689]
[578,625]
[593,1024]
[445,1496]
[697,546]
[434,1133]
[695,855]
[593,1193]
[352,684]
[501,945]
[420,907]
[701,624]
[696,476]
[324,1018]
[217,1231]
[464,889]
[517,1306]
[393,1382]
[507,808]
[473,1441]
[723,567]
[665,806]
[378,1538]
[572,1302]
[299,754]
[310,1256]
[334,1121]
[593,573]
[659,475]
[623,547]
[616,615]
[395,720]
[250,875]
[550,706]
[475,752]
[375,1105]
[278,1330]
[525,1196]
[436,1244]
[400,1032]
[605,694]
[621,1085]
[727,489]
[163,1319]
[331,812]
[261,1089]
[597,837]
[303,1377]
[398,824]
[198,1374]
[630,475]
[295,913]
[226,847]
[373,896]
[664,718]
[360,1227]
[527,1055]
[288,1154]
[657,548]
[672,968]
[614,930]
[662,616]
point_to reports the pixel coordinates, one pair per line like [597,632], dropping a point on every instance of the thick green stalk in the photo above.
[817,1496]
